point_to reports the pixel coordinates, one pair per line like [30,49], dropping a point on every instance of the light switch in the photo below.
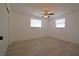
[1,37]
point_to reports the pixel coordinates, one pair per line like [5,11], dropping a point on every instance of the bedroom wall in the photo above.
[71,32]
[21,27]
[11,36]
[3,30]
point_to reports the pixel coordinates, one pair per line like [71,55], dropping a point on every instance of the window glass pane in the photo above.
[35,23]
[60,23]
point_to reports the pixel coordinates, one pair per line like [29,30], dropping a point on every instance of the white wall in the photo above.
[21,27]
[10,18]
[3,29]
[71,31]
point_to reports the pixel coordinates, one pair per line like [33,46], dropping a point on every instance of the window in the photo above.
[60,23]
[35,23]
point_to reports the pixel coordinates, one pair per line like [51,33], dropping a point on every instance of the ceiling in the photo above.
[37,9]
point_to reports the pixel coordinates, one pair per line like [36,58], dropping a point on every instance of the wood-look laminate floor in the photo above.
[46,46]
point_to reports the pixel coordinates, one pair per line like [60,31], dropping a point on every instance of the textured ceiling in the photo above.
[37,9]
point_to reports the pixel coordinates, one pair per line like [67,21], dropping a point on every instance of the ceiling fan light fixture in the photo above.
[46,16]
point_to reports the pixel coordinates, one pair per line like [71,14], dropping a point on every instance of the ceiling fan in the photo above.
[46,14]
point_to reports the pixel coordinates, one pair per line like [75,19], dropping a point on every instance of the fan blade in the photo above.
[51,14]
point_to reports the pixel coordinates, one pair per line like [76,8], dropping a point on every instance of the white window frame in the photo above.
[60,23]
[35,25]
